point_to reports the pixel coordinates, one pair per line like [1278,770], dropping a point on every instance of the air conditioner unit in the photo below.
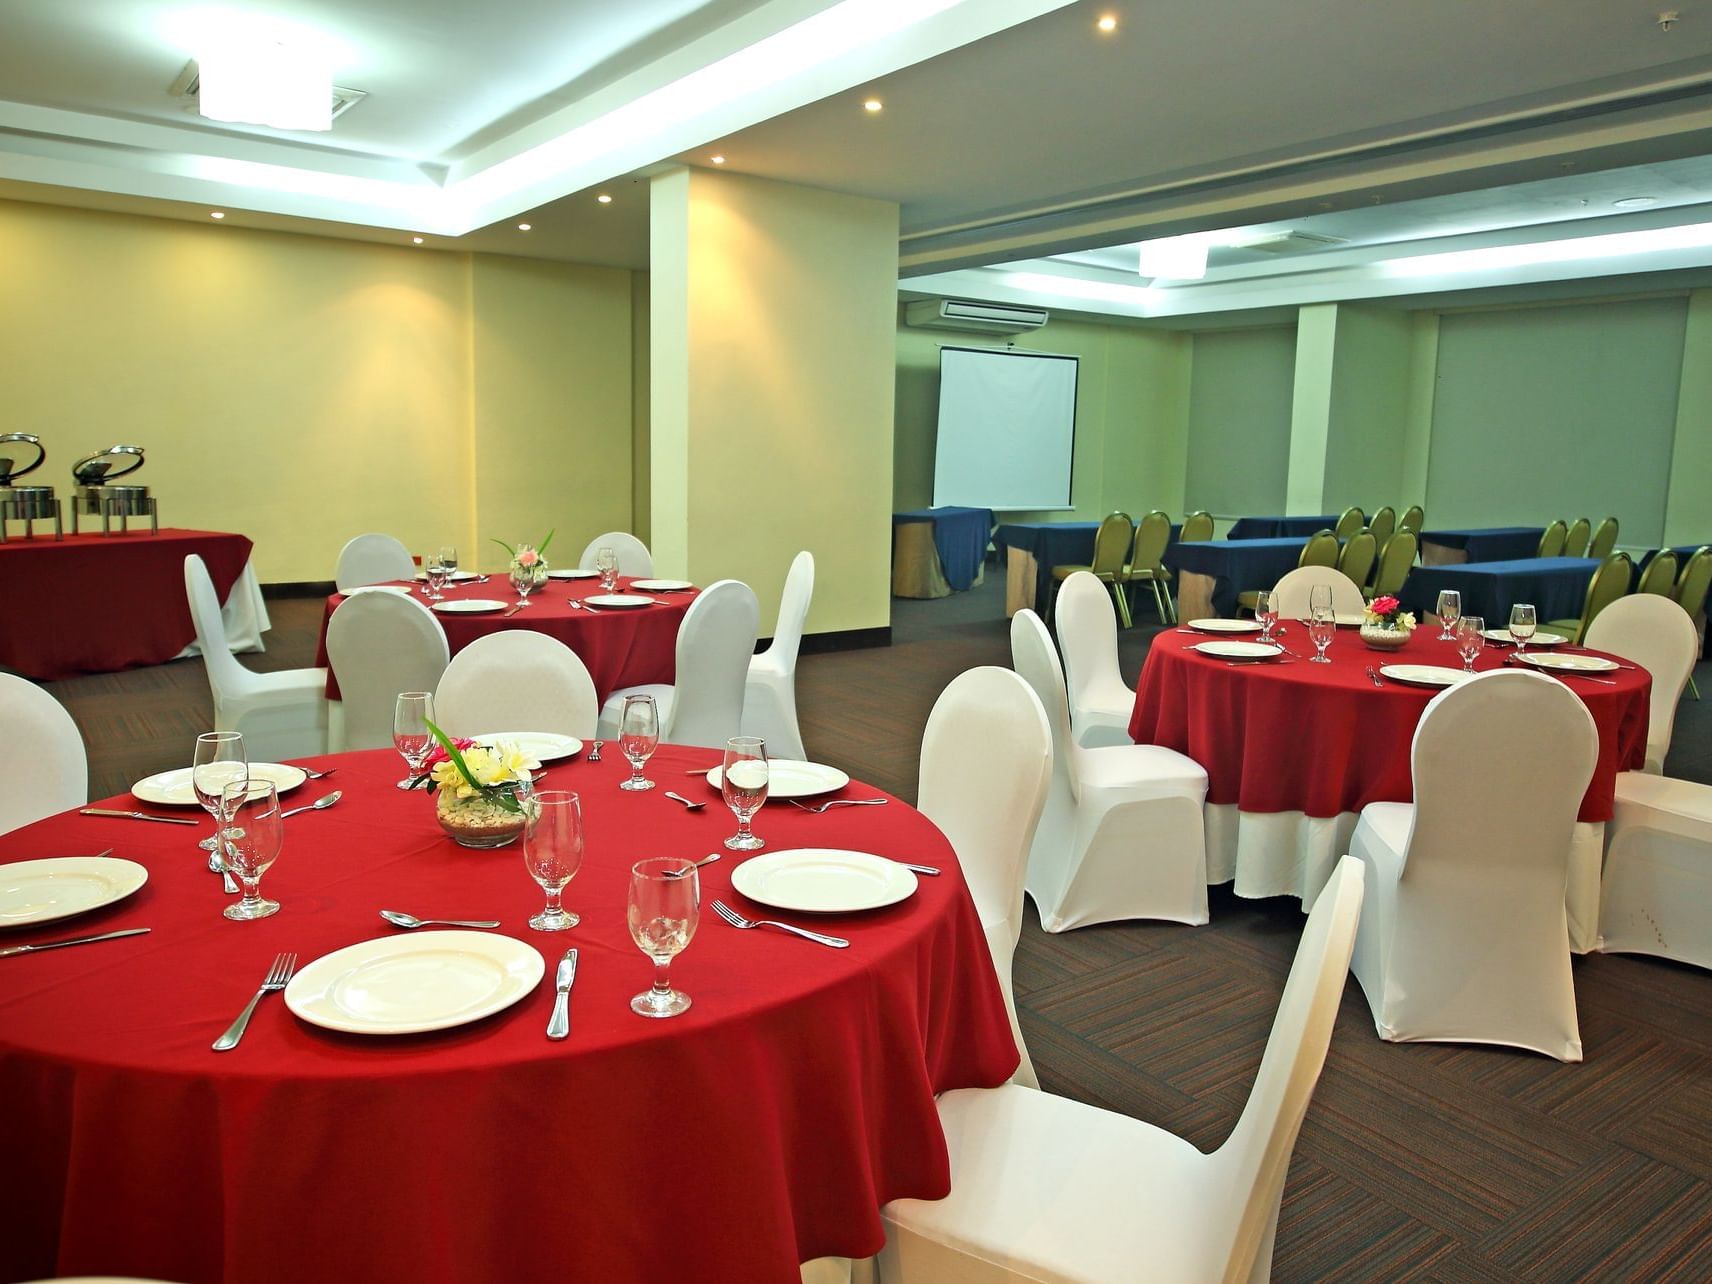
[983,318]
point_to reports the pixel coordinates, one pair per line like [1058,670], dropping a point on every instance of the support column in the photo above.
[1311,409]
[1688,503]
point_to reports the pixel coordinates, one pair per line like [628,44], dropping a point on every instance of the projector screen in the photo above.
[1007,426]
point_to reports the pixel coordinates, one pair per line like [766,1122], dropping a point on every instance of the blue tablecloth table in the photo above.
[1557,586]
[1036,547]
[1212,572]
[1277,527]
[1479,544]
[959,541]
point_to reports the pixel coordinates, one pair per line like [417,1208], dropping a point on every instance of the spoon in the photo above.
[320,804]
[399,919]
[688,805]
[705,860]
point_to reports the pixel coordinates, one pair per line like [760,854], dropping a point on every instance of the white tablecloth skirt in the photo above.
[245,614]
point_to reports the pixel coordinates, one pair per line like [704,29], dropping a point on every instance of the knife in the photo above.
[76,940]
[560,1025]
[136,815]
[920,869]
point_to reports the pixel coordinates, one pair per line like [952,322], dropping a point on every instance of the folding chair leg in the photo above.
[1123,603]
[1692,689]
[1159,600]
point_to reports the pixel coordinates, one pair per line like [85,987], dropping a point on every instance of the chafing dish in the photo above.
[97,496]
[24,503]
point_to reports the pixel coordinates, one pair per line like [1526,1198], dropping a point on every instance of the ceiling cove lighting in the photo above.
[1076,287]
[1693,236]
[1176,258]
[254,78]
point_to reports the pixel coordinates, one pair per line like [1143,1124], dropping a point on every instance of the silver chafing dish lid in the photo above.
[9,468]
[104,465]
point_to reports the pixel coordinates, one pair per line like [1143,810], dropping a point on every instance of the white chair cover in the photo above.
[1291,591]
[1657,893]
[705,706]
[633,555]
[770,699]
[518,680]
[379,644]
[43,767]
[1657,634]
[1100,702]
[986,764]
[373,559]
[282,715]
[1464,936]
[1121,836]
[1045,1188]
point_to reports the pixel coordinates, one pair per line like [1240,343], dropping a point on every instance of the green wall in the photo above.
[1239,420]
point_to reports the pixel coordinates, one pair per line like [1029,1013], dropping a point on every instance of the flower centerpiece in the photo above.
[1385,625]
[480,788]
[528,567]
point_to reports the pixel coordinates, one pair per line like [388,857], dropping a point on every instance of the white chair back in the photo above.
[1291,591]
[715,642]
[379,644]
[518,680]
[1657,634]
[1036,662]
[793,613]
[373,559]
[633,556]
[1088,640]
[43,767]
[225,674]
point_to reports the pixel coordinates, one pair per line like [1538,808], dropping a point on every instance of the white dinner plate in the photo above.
[543,746]
[456,577]
[621,601]
[572,573]
[823,880]
[471,605]
[1225,626]
[793,778]
[407,984]
[1239,650]
[1424,675]
[661,586]
[1345,619]
[1503,638]
[1570,663]
[41,891]
[173,788]
[397,589]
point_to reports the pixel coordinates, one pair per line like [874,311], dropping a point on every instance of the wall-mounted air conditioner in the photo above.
[981,318]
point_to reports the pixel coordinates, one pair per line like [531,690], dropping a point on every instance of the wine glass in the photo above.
[743,782]
[1523,621]
[252,835]
[638,737]
[662,909]
[523,581]
[606,562]
[1450,611]
[553,851]
[449,560]
[1319,595]
[411,714]
[1470,640]
[1322,628]
[1266,611]
[434,571]
[220,758]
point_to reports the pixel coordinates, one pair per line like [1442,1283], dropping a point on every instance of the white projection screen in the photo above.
[1007,427]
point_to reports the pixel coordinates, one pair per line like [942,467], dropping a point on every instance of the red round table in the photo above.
[622,648]
[764,1127]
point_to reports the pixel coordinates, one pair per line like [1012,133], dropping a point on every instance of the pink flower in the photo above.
[1385,605]
[527,557]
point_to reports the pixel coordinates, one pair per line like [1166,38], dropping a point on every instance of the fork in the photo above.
[316,775]
[1373,676]
[283,966]
[594,750]
[838,802]
[732,917]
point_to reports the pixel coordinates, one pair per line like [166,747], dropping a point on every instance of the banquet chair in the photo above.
[770,698]
[1656,893]
[1319,549]
[1575,539]
[1659,575]
[634,559]
[1357,557]
[379,644]
[705,705]
[282,714]
[986,764]
[1610,582]
[1111,547]
[1383,525]
[1046,1188]
[1464,935]
[1552,539]
[1352,520]
[1290,594]
[1414,517]
[1396,559]
[1121,836]
[1100,701]
[1655,633]
[1604,541]
[1197,526]
[518,680]
[43,766]
[1152,534]
[1690,594]
[372,559]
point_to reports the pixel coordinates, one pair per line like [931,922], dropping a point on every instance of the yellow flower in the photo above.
[447,776]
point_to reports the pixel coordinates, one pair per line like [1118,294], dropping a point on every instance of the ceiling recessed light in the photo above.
[1635,202]
[217,214]
[604,199]
[416,240]
[523,227]
[717,160]
[1107,23]
[872,105]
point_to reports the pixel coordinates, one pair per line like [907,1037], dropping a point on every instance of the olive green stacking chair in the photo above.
[1551,542]
[1395,562]
[1575,540]
[1604,540]
[1111,549]
[1383,525]
[1152,534]
[1414,517]
[1660,575]
[1690,593]
[1196,526]
[1352,521]
[1358,555]
[1610,582]
[1321,549]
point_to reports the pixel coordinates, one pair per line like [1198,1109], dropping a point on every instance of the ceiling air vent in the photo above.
[189,84]
[979,318]
[1295,243]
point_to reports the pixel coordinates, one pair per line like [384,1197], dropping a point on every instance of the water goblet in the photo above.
[606,562]
[434,571]
[1523,621]
[1470,640]
[553,851]
[1266,611]
[449,560]
[638,737]
[411,714]
[1319,595]
[220,758]
[1450,611]
[251,836]
[743,782]
[662,909]
[1322,628]
[523,581]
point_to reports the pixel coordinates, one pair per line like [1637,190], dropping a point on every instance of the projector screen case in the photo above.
[1007,429]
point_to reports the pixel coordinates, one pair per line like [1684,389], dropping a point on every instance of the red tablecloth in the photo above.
[101,603]
[1322,739]
[766,1125]
[622,648]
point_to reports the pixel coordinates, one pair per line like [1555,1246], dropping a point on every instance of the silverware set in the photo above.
[277,975]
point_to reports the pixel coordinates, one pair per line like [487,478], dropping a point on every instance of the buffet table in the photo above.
[950,561]
[97,603]
[764,1127]
[1479,544]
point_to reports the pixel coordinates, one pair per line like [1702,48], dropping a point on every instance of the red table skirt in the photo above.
[1322,739]
[765,1126]
[101,603]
